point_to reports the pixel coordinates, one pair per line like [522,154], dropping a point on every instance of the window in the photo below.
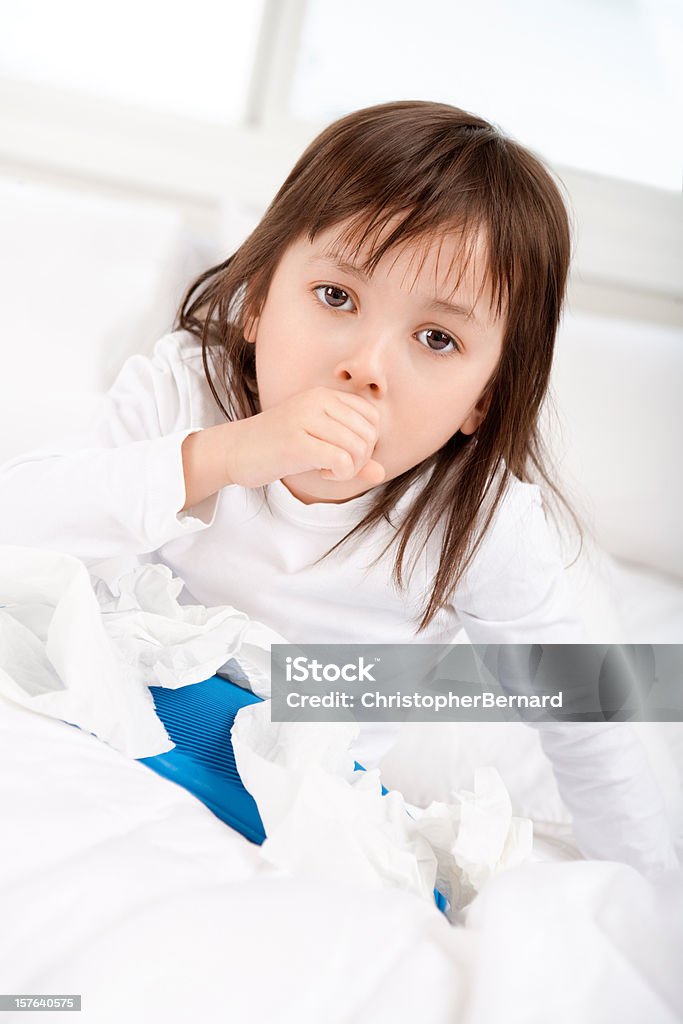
[186,59]
[591,84]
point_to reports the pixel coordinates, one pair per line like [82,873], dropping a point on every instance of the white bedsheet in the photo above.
[119,885]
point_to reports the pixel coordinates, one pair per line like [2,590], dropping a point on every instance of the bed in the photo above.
[119,885]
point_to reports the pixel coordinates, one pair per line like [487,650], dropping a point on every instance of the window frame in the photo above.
[628,243]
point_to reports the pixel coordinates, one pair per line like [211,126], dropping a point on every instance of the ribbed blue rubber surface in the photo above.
[198,718]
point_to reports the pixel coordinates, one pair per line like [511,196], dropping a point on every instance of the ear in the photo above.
[251,329]
[477,414]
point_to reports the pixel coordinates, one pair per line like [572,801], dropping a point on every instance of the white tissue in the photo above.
[165,643]
[79,649]
[56,658]
[332,822]
[475,837]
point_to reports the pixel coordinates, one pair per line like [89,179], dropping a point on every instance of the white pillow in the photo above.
[616,386]
[85,281]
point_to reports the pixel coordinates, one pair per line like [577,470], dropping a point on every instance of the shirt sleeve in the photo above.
[117,487]
[517,592]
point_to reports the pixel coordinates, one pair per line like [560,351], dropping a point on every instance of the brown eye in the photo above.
[441,342]
[333,297]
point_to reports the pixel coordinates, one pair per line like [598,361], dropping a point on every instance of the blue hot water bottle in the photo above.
[198,719]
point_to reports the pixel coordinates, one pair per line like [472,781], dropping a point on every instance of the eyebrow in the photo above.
[453,308]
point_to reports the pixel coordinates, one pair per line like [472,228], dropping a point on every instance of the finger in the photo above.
[333,461]
[358,447]
[372,473]
[363,406]
[352,419]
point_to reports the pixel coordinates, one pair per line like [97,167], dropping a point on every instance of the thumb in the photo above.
[372,473]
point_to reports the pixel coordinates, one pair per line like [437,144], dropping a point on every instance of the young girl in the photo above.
[364,374]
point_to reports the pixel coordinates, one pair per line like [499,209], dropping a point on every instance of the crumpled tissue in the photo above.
[83,649]
[80,649]
[332,822]
[175,645]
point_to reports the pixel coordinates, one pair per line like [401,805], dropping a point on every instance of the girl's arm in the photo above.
[517,592]
[117,487]
[150,469]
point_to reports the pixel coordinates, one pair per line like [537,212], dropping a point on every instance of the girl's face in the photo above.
[386,338]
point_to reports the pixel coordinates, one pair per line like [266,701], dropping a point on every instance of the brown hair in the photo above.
[437,169]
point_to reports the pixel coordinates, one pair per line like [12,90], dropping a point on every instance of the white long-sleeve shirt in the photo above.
[116,490]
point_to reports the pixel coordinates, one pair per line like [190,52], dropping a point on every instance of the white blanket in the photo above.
[119,885]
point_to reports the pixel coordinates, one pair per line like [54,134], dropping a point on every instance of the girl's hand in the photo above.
[322,429]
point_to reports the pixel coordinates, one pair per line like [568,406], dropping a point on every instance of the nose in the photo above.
[365,366]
